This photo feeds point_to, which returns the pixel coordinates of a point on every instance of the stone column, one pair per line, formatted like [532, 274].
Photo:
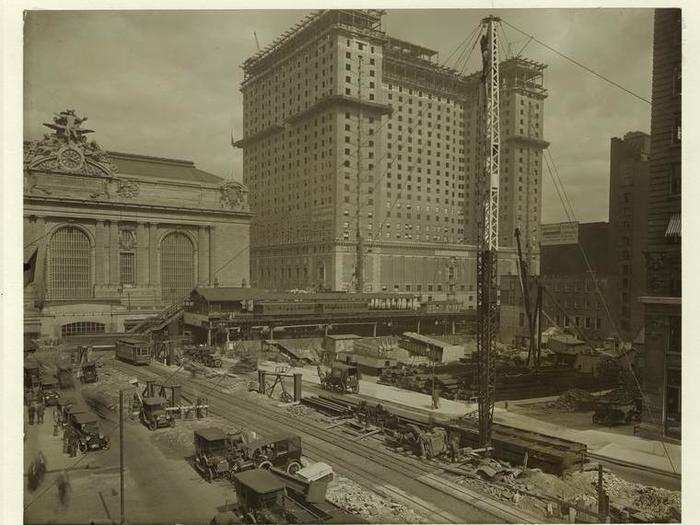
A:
[142, 255]
[203, 250]
[212, 256]
[101, 256]
[113, 253]
[154, 260]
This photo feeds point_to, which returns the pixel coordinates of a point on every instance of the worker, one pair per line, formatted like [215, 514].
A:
[436, 397]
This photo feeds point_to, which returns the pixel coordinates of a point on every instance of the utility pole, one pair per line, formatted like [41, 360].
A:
[360, 256]
[487, 257]
[525, 289]
[121, 457]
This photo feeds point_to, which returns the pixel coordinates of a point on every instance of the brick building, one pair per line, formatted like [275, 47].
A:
[661, 375]
[572, 299]
[114, 237]
[336, 105]
[629, 187]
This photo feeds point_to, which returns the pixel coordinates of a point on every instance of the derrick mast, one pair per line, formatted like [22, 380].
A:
[487, 256]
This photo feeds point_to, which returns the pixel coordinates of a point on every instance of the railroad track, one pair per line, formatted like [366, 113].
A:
[406, 480]
[676, 476]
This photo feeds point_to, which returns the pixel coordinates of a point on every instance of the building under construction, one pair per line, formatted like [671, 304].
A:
[351, 135]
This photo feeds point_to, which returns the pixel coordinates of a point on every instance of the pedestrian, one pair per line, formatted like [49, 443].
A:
[40, 411]
[30, 411]
[64, 489]
[436, 398]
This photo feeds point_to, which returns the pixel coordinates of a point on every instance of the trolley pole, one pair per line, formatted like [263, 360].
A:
[121, 457]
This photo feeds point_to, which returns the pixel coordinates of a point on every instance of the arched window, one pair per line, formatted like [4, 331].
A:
[82, 327]
[70, 255]
[177, 267]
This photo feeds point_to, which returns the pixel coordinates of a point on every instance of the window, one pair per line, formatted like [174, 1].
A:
[677, 80]
[127, 257]
[674, 334]
[69, 268]
[82, 327]
[674, 185]
[177, 267]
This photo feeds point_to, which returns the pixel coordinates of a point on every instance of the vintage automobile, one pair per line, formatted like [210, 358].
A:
[262, 497]
[283, 452]
[154, 415]
[32, 374]
[86, 430]
[617, 412]
[342, 378]
[211, 448]
[50, 389]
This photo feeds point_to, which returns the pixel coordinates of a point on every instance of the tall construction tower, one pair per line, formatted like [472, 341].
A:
[487, 257]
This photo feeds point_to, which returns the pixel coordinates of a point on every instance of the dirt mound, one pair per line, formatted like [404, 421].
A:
[575, 400]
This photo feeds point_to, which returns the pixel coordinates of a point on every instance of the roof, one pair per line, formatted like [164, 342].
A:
[210, 433]
[130, 340]
[260, 481]
[342, 337]
[427, 340]
[155, 400]
[232, 293]
[161, 168]
[296, 353]
[84, 417]
[343, 366]
[370, 361]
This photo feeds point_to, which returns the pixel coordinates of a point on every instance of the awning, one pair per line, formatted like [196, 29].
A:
[674, 226]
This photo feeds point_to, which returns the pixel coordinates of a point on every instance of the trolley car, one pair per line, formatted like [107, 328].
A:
[134, 351]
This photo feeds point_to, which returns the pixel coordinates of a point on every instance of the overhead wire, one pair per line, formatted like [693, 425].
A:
[579, 64]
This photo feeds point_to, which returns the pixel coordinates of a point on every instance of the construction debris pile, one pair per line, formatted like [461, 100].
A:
[354, 499]
[551, 495]
[575, 400]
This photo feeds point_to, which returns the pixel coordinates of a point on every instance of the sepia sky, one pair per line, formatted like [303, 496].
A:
[166, 83]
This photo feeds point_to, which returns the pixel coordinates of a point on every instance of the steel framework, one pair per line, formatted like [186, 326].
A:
[487, 257]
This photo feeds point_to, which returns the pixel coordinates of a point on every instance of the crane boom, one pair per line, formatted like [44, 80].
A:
[487, 257]
[525, 288]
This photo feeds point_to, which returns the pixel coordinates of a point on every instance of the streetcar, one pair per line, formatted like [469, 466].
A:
[134, 351]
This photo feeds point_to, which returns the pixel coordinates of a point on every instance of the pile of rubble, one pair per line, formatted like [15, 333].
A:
[371, 507]
[575, 400]
[549, 494]
[299, 410]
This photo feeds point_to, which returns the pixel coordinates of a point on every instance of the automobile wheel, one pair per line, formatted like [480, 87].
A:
[152, 425]
[82, 447]
[265, 465]
[293, 467]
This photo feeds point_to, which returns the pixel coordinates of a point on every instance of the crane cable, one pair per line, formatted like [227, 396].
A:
[579, 64]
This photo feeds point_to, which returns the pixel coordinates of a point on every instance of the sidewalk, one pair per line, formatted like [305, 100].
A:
[633, 449]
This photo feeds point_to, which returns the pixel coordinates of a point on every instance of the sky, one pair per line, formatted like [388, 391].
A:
[166, 84]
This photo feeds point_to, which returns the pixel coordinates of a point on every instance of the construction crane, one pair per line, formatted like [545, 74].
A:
[487, 256]
[533, 318]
